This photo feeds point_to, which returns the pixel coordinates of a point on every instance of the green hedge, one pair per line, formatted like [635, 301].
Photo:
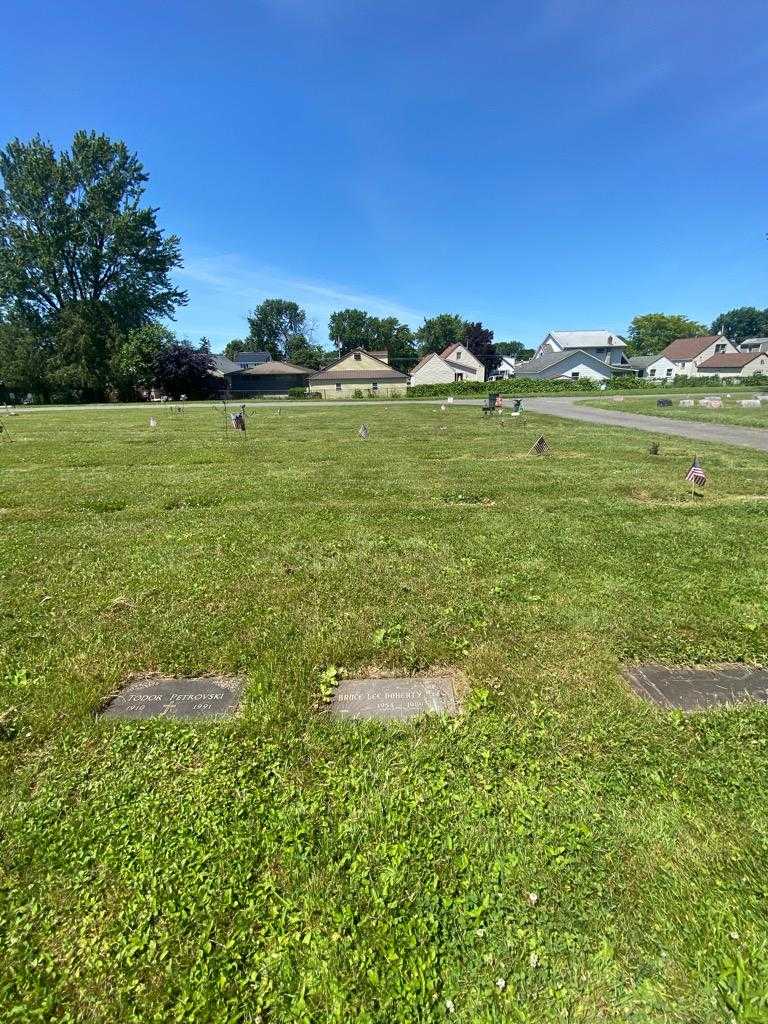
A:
[521, 386]
[531, 386]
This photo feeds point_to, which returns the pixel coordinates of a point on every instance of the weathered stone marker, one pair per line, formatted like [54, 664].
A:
[152, 697]
[394, 699]
[697, 689]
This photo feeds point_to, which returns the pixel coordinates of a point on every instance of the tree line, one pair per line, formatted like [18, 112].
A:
[86, 290]
[281, 327]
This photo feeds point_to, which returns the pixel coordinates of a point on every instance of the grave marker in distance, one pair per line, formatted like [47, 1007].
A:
[698, 689]
[153, 697]
[393, 699]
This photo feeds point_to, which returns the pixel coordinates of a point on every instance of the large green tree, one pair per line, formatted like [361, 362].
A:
[351, 328]
[273, 324]
[479, 341]
[438, 332]
[24, 362]
[741, 323]
[135, 362]
[82, 259]
[513, 348]
[73, 230]
[652, 332]
[354, 328]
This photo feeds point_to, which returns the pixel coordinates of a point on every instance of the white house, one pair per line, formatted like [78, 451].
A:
[754, 345]
[734, 364]
[505, 370]
[454, 363]
[604, 345]
[688, 353]
[656, 367]
[573, 364]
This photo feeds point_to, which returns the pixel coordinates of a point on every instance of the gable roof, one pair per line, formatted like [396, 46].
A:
[730, 360]
[275, 367]
[223, 365]
[450, 349]
[587, 339]
[534, 366]
[425, 359]
[641, 362]
[689, 348]
[332, 375]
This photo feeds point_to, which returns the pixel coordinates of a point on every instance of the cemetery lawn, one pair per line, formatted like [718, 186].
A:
[560, 852]
[731, 411]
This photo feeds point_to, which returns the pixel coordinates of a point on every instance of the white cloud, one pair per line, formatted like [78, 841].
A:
[223, 288]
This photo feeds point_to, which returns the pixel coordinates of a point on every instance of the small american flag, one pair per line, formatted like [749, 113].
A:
[540, 447]
[696, 476]
[363, 432]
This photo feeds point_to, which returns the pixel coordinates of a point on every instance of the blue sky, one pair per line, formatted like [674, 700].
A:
[559, 165]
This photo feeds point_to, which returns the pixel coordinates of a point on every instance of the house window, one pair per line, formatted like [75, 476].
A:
[719, 348]
[458, 376]
[575, 375]
[338, 387]
[652, 373]
[374, 385]
[669, 373]
[458, 353]
[357, 355]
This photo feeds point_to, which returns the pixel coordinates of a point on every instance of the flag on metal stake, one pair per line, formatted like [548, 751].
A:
[152, 421]
[540, 447]
[696, 476]
[363, 432]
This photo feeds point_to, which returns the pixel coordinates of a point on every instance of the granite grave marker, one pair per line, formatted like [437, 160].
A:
[153, 697]
[697, 689]
[393, 699]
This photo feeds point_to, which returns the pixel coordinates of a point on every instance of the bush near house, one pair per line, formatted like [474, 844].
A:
[529, 386]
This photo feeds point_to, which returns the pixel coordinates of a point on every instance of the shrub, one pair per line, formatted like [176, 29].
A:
[303, 393]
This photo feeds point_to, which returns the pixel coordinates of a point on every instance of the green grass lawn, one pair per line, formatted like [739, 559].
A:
[731, 411]
[283, 867]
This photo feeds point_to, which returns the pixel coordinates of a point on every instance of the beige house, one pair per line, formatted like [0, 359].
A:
[359, 373]
[734, 364]
[454, 363]
[687, 354]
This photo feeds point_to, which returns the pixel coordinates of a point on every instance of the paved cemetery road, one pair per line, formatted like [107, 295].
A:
[720, 433]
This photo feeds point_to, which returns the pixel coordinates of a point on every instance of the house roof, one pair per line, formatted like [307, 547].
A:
[331, 375]
[450, 349]
[730, 360]
[689, 348]
[254, 357]
[381, 354]
[641, 362]
[425, 359]
[274, 368]
[587, 339]
[534, 366]
[762, 343]
[223, 365]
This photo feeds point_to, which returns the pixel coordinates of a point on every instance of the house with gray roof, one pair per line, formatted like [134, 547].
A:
[655, 367]
[607, 346]
[272, 377]
[571, 364]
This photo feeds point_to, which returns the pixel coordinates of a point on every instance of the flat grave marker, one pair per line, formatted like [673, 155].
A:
[698, 689]
[390, 700]
[155, 697]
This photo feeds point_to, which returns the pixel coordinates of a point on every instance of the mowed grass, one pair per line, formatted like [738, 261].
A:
[283, 867]
[730, 412]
